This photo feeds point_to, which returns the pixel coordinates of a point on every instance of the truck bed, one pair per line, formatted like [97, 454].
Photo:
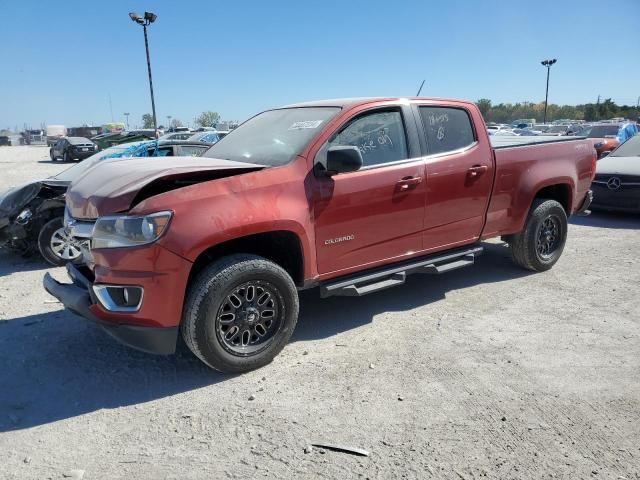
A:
[510, 141]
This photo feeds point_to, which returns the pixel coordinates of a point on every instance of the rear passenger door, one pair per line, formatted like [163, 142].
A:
[459, 170]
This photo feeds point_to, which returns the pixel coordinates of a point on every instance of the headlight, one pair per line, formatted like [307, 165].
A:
[24, 216]
[129, 231]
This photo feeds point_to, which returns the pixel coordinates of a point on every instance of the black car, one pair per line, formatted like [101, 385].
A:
[32, 215]
[5, 140]
[616, 185]
[72, 148]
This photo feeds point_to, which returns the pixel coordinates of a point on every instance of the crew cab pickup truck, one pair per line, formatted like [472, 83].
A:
[349, 196]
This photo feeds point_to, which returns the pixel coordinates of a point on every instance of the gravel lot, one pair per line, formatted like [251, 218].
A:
[485, 372]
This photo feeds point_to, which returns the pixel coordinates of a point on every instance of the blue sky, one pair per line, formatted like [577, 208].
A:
[62, 60]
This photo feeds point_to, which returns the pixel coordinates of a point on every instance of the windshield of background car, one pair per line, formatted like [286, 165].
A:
[274, 137]
[78, 140]
[70, 174]
[601, 131]
[630, 148]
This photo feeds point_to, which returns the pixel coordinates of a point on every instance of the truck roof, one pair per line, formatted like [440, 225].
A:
[353, 101]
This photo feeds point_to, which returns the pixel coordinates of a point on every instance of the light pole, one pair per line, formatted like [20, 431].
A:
[547, 63]
[126, 115]
[148, 19]
[168, 122]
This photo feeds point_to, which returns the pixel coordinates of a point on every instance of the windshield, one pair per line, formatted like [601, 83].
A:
[558, 129]
[600, 131]
[630, 148]
[70, 174]
[273, 137]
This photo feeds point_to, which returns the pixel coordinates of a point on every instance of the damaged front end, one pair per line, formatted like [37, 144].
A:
[23, 210]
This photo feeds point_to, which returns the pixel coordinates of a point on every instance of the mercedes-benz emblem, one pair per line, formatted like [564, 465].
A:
[614, 183]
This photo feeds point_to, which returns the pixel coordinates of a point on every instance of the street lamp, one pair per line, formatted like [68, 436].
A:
[547, 63]
[168, 122]
[126, 115]
[148, 19]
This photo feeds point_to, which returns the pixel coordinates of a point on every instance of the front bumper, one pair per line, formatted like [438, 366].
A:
[79, 298]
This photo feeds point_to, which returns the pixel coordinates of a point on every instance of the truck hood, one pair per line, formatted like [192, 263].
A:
[117, 185]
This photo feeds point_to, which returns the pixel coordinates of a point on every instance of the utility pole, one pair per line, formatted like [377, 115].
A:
[547, 63]
[126, 115]
[148, 19]
[598, 108]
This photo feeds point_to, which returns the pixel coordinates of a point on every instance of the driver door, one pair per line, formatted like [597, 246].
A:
[375, 214]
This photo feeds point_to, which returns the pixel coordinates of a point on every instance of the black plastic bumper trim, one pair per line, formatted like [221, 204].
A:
[76, 298]
[586, 203]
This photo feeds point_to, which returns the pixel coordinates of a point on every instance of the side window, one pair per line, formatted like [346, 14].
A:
[379, 136]
[446, 129]
[191, 150]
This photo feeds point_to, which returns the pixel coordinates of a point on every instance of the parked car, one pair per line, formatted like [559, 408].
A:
[617, 182]
[72, 148]
[31, 215]
[176, 136]
[207, 137]
[607, 136]
[326, 194]
[117, 138]
[5, 140]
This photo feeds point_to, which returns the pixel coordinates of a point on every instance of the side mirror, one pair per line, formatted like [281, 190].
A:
[343, 159]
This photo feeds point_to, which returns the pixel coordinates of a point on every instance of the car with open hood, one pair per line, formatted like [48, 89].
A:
[31, 215]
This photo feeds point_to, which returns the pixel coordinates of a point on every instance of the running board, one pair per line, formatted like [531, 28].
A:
[390, 276]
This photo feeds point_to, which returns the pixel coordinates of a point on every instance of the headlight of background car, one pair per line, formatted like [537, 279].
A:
[129, 231]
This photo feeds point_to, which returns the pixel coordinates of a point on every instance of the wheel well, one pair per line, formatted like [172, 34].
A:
[560, 193]
[281, 247]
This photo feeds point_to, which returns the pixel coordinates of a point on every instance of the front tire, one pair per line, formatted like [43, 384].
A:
[55, 245]
[66, 157]
[539, 246]
[53, 157]
[240, 313]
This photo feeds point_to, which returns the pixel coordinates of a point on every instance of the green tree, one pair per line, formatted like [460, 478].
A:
[484, 104]
[147, 120]
[176, 123]
[208, 119]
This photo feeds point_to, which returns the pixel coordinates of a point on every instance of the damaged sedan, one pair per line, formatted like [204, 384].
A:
[32, 214]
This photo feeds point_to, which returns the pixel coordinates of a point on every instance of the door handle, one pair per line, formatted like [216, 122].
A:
[477, 170]
[408, 182]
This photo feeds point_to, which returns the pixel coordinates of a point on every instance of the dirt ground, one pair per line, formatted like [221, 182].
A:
[485, 372]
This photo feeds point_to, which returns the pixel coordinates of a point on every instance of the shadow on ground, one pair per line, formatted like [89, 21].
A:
[603, 219]
[11, 263]
[56, 366]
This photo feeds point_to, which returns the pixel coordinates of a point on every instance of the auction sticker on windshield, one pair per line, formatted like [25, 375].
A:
[305, 124]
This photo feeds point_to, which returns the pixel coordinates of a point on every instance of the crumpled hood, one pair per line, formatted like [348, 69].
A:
[16, 198]
[111, 186]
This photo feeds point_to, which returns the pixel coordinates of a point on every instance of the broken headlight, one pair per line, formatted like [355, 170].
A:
[129, 231]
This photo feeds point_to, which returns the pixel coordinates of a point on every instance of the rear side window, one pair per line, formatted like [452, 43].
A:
[446, 129]
[379, 136]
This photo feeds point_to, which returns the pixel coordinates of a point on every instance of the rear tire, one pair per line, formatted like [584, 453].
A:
[539, 246]
[239, 313]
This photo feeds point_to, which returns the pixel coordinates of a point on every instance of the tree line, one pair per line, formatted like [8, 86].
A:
[205, 119]
[508, 112]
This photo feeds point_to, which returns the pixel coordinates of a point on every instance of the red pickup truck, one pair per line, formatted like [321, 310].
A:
[347, 195]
